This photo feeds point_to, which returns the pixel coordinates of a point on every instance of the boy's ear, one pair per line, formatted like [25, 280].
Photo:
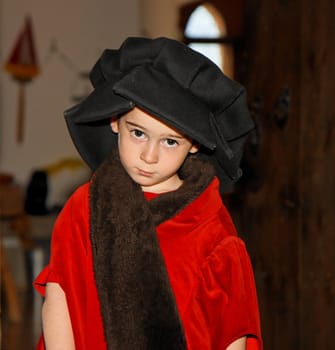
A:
[114, 125]
[195, 148]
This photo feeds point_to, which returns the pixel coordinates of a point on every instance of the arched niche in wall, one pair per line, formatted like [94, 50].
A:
[213, 27]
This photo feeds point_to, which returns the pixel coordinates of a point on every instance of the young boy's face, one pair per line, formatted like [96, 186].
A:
[150, 151]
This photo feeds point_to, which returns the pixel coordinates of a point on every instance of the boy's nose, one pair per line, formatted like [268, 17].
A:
[149, 154]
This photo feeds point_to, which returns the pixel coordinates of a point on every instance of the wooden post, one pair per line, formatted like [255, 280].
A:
[21, 113]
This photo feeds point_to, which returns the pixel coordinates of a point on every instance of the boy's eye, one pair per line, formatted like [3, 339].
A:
[171, 143]
[137, 133]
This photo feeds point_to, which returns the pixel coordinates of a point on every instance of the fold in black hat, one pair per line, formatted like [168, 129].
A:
[172, 82]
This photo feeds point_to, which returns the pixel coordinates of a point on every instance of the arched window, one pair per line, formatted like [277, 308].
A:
[205, 31]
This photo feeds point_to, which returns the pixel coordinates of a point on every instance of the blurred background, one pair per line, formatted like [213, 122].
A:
[282, 51]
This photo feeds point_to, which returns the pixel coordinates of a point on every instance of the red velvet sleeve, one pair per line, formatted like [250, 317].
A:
[230, 295]
[67, 260]
[71, 267]
[68, 244]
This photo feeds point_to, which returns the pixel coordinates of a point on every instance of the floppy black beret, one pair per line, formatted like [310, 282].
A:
[174, 83]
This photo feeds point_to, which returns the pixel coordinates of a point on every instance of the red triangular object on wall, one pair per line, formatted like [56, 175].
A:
[22, 63]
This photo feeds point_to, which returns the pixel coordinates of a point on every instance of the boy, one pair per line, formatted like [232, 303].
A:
[145, 256]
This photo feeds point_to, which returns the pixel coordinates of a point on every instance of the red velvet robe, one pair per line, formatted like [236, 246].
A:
[208, 267]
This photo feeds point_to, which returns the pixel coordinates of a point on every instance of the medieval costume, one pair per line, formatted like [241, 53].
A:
[147, 271]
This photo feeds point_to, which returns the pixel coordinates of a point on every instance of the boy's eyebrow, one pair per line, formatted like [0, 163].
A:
[135, 125]
[143, 128]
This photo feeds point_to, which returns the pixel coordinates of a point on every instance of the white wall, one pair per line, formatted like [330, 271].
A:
[81, 29]
[160, 17]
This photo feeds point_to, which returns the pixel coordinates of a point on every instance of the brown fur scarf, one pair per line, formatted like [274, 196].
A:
[137, 303]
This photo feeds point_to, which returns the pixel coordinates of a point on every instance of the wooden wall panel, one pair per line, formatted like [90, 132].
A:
[318, 175]
[271, 214]
[285, 204]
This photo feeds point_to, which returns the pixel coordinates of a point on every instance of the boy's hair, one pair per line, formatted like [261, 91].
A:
[179, 86]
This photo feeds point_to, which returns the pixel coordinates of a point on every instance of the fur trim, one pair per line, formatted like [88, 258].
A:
[137, 302]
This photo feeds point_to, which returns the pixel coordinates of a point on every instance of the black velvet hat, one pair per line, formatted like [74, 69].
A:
[174, 83]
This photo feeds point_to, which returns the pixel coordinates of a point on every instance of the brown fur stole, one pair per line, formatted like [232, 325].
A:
[137, 303]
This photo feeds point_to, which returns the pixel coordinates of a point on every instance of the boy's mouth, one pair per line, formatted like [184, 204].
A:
[144, 173]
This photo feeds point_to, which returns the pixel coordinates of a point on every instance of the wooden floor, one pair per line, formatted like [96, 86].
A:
[22, 335]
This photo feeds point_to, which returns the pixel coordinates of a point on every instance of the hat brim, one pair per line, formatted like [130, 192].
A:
[89, 122]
